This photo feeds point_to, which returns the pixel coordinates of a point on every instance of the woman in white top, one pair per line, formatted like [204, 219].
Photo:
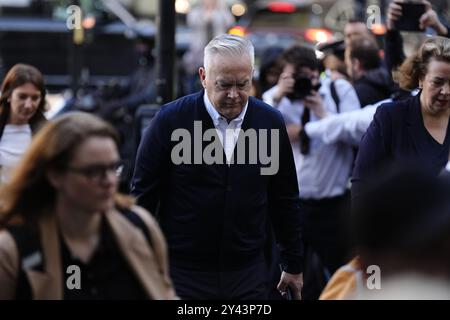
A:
[22, 106]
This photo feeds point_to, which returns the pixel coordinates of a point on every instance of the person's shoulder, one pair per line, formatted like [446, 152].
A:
[393, 116]
[341, 83]
[364, 87]
[265, 110]
[182, 103]
[269, 93]
[394, 109]
[145, 216]
[179, 109]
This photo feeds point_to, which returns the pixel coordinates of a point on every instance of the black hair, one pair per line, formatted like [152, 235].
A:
[300, 56]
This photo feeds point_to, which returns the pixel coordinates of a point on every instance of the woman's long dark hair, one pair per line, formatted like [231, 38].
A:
[17, 76]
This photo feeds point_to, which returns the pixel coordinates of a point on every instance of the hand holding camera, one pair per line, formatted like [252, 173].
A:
[430, 19]
[394, 12]
[405, 15]
[314, 103]
[302, 88]
[285, 86]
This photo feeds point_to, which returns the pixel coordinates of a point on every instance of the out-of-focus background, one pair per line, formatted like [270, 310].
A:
[119, 36]
[109, 64]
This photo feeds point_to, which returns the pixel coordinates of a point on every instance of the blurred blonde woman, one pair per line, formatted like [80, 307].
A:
[65, 232]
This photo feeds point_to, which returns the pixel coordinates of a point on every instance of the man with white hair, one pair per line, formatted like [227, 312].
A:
[216, 214]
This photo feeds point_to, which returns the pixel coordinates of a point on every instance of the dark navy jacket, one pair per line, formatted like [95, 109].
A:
[397, 136]
[214, 216]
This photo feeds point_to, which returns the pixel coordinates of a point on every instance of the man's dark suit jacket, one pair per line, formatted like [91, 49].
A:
[397, 136]
[214, 216]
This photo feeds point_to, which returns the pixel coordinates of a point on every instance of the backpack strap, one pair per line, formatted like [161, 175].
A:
[335, 96]
[134, 218]
[30, 257]
[29, 246]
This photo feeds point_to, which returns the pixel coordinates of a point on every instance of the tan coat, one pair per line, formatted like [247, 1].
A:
[345, 282]
[150, 264]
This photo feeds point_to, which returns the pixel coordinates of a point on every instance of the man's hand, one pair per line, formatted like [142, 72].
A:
[430, 19]
[294, 282]
[314, 103]
[394, 12]
[285, 85]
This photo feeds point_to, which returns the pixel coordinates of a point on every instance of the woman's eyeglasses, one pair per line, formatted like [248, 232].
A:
[98, 171]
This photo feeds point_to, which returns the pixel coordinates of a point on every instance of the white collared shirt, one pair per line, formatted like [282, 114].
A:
[228, 132]
[447, 167]
[324, 172]
[347, 127]
[13, 144]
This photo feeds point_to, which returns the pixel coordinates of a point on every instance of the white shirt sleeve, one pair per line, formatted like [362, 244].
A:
[348, 99]
[268, 98]
[346, 127]
[291, 111]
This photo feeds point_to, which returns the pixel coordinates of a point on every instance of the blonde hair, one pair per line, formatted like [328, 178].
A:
[415, 67]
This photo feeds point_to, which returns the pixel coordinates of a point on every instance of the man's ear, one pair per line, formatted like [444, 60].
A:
[202, 74]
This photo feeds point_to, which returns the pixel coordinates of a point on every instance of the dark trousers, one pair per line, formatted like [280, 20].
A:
[273, 259]
[246, 284]
[326, 240]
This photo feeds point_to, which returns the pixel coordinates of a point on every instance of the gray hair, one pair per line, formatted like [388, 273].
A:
[228, 45]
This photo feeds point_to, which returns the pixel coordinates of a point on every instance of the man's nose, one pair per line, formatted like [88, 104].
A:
[233, 93]
[446, 88]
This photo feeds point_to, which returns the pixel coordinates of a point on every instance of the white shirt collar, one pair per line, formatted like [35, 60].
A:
[216, 116]
[447, 167]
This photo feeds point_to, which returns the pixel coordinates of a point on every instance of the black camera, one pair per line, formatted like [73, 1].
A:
[411, 13]
[302, 88]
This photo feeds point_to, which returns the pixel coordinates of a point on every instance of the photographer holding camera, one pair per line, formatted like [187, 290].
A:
[415, 16]
[323, 170]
